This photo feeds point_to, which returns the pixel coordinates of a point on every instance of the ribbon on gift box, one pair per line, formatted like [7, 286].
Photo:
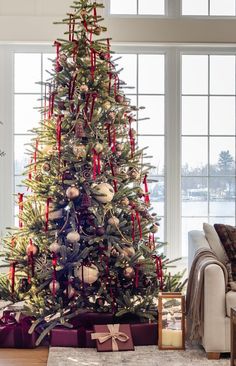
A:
[113, 333]
[14, 322]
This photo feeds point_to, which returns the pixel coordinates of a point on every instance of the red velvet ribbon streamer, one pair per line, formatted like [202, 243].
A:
[35, 155]
[93, 62]
[133, 225]
[96, 164]
[13, 271]
[159, 271]
[59, 121]
[52, 103]
[113, 174]
[21, 207]
[113, 149]
[131, 139]
[71, 27]
[109, 134]
[95, 13]
[75, 49]
[109, 85]
[139, 224]
[146, 197]
[47, 213]
[58, 46]
[94, 97]
[85, 24]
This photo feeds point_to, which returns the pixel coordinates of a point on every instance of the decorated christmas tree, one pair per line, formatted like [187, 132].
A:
[86, 236]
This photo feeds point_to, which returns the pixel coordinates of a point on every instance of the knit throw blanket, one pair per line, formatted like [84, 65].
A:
[195, 291]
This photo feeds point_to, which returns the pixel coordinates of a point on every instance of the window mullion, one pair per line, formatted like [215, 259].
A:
[173, 8]
[173, 154]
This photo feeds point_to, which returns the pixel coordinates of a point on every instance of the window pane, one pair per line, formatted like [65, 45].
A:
[194, 115]
[222, 220]
[155, 153]
[25, 112]
[21, 158]
[188, 224]
[222, 155]
[194, 74]
[157, 195]
[222, 196]
[151, 74]
[155, 110]
[222, 74]
[151, 7]
[194, 196]
[128, 63]
[47, 65]
[194, 156]
[195, 7]
[123, 6]
[222, 115]
[222, 7]
[27, 72]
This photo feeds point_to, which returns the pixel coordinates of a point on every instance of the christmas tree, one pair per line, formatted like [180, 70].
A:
[86, 230]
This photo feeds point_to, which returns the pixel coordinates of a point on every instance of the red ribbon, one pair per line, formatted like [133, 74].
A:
[96, 164]
[71, 27]
[159, 271]
[21, 207]
[58, 46]
[139, 224]
[95, 14]
[146, 197]
[54, 277]
[13, 271]
[59, 121]
[52, 103]
[85, 24]
[110, 77]
[133, 226]
[113, 174]
[47, 213]
[113, 149]
[131, 138]
[93, 62]
[109, 134]
[75, 49]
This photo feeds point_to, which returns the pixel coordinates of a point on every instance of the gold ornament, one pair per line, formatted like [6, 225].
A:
[98, 148]
[97, 31]
[154, 229]
[119, 147]
[32, 248]
[129, 273]
[128, 251]
[79, 151]
[72, 193]
[46, 149]
[134, 174]
[55, 247]
[106, 105]
[124, 201]
[114, 221]
[73, 237]
[88, 274]
[84, 88]
[103, 192]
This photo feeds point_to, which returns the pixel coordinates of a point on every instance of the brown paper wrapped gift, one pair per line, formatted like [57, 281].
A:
[113, 337]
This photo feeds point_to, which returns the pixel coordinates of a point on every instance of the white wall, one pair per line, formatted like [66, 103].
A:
[32, 21]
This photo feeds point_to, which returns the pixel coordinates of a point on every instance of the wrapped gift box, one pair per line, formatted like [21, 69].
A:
[144, 334]
[89, 319]
[113, 337]
[66, 337]
[14, 331]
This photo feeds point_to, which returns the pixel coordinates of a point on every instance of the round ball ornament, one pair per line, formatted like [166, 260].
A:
[128, 251]
[119, 147]
[154, 229]
[46, 167]
[73, 237]
[119, 98]
[88, 274]
[106, 105]
[32, 248]
[103, 192]
[54, 286]
[72, 193]
[97, 31]
[114, 221]
[55, 247]
[79, 151]
[134, 174]
[129, 273]
[100, 231]
[98, 148]
[124, 201]
[84, 88]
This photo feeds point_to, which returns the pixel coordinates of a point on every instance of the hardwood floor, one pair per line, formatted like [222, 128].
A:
[24, 357]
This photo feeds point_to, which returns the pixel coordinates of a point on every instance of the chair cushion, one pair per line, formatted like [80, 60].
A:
[214, 242]
[227, 235]
[230, 301]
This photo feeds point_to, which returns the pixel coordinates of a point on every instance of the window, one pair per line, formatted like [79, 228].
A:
[208, 7]
[208, 141]
[137, 7]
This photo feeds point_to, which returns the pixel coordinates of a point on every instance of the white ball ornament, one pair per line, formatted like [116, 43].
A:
[98, 148]
[103, 192]
[54, 286]
[72, 193]
[73, 237]
[88, 274]
[55, 247]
